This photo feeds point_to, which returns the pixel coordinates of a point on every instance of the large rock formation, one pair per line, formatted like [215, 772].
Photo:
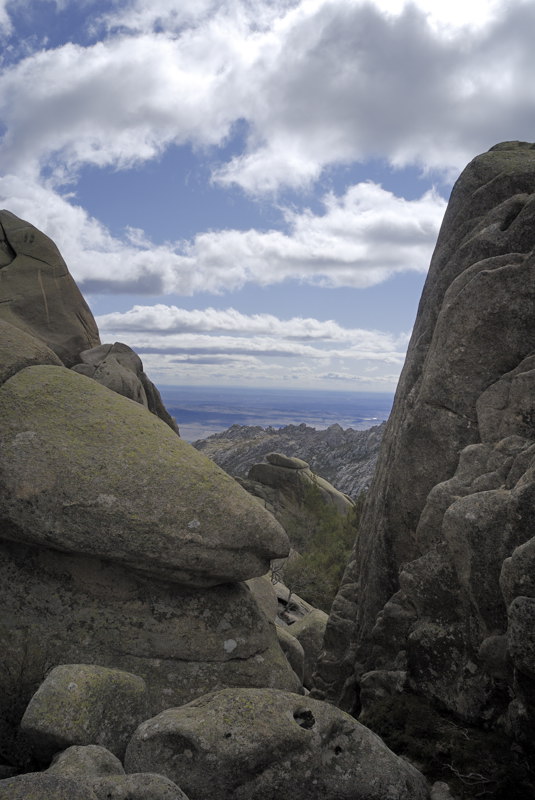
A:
[438, 597]
[345, 458]
[120, 544]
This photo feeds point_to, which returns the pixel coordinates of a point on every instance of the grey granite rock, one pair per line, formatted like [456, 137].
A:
[37, 291]
[257, 744]
[84, 704]
[85, 470]
[421, 593]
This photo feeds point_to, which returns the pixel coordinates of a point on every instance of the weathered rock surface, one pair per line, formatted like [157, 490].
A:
[81, 704]
[40, 786]
[262, 744]
[345, 458]
[288, 488]
[19, 350]
[103, 773]
[451, 507]
[121, 370]
[58, 608]
[85, 470]
[37, 292]
[309, 632]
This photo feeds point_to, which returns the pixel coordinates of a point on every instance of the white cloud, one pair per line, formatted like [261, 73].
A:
[166, 322]
[318, 82]
[360, 240]
[254, 347]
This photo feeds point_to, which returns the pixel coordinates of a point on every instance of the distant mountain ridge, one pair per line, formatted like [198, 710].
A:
[346, 458]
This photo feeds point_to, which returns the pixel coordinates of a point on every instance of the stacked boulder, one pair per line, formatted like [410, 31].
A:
[438, 598]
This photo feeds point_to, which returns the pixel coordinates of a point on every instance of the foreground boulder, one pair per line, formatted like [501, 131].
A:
[82, 704]
[38, 294]
[104, 775]
[421, 608]
[84, 470]
[262, 744]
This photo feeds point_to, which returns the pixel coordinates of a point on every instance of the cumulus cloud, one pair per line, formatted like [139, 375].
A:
[318, 82]
[256, 347]
[362, 238]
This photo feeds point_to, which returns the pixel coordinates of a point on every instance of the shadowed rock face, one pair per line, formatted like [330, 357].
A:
[454, 490]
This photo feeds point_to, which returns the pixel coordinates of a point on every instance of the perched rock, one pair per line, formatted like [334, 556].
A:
[345, 458]
[38, 294]
[258, 744]
[56, 608]
[85, 470]
[121, 370]
[82, 704]
[309, 632]
[19, 350]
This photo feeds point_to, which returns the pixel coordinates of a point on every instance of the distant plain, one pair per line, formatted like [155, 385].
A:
[201, 411]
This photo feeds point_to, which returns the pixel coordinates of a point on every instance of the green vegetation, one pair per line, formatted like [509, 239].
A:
[325, 549]
[475, 763]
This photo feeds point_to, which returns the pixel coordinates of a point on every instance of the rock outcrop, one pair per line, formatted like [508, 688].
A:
[345, 458]
[438, 597]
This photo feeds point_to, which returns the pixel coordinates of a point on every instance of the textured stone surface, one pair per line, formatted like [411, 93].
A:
[19, 350]
[309, 632]
[258, 744]
[37, 292]
[293, 650]
[103, 773]
[86, 470]
[89, 760]
[40, 786]
[121, 370]
[450, 513]
[82, 704]
[57, 608]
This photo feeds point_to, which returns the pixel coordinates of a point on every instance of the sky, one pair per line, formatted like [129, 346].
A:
[248, 192]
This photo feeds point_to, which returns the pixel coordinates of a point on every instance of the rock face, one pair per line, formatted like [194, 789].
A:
[345, 458]
[257, 744]
[438, 598]
[37, 292]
